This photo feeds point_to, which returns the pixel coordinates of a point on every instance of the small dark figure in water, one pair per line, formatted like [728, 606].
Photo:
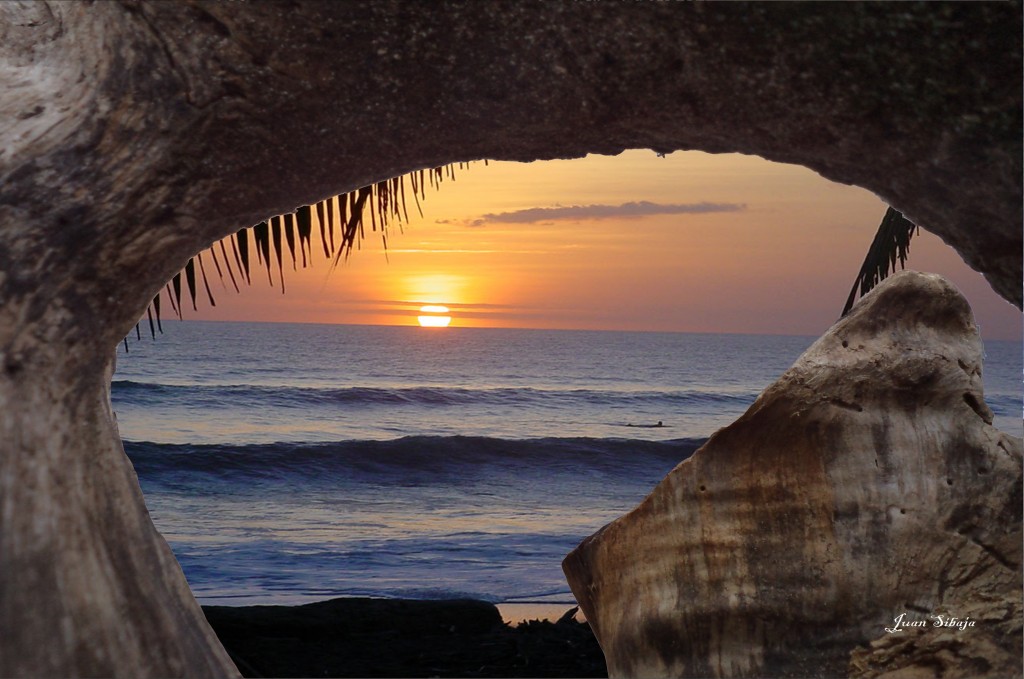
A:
[659, 424]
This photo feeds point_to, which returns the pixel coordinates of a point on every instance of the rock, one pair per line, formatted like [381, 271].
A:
[355, 637]
[866, 483]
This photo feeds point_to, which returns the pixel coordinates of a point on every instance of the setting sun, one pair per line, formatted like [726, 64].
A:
[434, 316]
[630, 242]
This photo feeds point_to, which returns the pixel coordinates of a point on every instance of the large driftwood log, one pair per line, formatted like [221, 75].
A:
[133, 134]
[866, 483]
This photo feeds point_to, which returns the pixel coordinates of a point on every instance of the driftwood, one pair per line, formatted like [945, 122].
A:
[136, 133]
[865, 484]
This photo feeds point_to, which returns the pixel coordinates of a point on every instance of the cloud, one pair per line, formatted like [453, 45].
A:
[633, 210]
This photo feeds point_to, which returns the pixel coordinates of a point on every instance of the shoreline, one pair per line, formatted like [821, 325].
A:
[515, 613]
[512, 612]
[363, 637]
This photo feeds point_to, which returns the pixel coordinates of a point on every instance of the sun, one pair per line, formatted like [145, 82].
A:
[434, 316]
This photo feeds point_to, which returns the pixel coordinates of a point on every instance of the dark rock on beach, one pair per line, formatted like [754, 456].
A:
[401, 638]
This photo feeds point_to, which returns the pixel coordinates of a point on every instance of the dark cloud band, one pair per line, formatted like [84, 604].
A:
[637, 209]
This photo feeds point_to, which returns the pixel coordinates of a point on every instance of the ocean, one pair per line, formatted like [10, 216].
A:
[289, 463]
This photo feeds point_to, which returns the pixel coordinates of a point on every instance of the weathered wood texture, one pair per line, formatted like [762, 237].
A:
[133, 134]
[865, 483]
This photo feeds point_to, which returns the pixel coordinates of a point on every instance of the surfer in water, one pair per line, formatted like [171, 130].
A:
[649, 426]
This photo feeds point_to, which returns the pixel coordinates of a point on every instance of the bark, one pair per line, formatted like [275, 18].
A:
[89, 587]
[134, 134]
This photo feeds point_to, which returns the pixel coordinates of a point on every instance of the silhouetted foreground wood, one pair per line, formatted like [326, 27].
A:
[401, 638]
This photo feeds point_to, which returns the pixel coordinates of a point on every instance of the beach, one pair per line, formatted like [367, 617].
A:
[363, 637]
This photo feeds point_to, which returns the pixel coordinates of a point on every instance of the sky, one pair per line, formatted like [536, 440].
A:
[689, 242]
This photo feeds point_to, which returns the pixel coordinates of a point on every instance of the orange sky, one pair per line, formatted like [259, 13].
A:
[691, 242]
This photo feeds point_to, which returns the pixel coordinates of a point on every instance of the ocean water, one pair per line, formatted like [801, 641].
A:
[290, 463]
